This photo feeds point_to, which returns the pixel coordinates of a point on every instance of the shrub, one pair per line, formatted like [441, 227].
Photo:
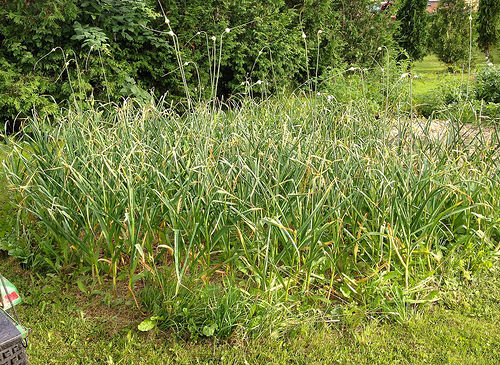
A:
[240, 42]
[491, 112]
[71, 50]
[28, 32]
[363, 31]
[488, 25]
[439, 98]
[110, 49]
[378, 91]
[487, 84]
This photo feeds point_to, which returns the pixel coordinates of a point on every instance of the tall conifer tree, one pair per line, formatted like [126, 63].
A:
[411, 34]
[488, 25]
[450, 31]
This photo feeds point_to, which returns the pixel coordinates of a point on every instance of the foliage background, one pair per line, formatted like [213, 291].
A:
[53, 51]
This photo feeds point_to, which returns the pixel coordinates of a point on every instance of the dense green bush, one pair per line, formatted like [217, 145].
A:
[490, 112]
[440, 97]
[68, 50]
[482, 102]
[27, 33]
[54, 51]
[376, 91]
[488, 25]
[487, 84]
[363, 31]
[241, 42]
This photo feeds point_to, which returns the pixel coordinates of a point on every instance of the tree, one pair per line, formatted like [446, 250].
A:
[411, 32]
[488, 28]
[450, 31]
[363, 30]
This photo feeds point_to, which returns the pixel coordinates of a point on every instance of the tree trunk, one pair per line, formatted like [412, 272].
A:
[487, 54]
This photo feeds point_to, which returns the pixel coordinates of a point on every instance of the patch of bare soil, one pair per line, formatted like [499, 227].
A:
[114, 308]
[120, 312]
[443, 130]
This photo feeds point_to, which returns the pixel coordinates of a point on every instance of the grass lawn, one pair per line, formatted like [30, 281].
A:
[495, 54]
[72, 327]
[432, 72]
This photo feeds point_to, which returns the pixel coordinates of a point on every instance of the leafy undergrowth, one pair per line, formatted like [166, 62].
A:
[69, 326]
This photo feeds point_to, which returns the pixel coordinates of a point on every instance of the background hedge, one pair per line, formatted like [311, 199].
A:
[53, 51]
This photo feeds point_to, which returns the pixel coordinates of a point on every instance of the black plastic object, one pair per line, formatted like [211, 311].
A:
[12, 351]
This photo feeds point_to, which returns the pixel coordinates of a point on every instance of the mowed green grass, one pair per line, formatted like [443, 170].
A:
[431, 72]
[70, 327]
[495, 54]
